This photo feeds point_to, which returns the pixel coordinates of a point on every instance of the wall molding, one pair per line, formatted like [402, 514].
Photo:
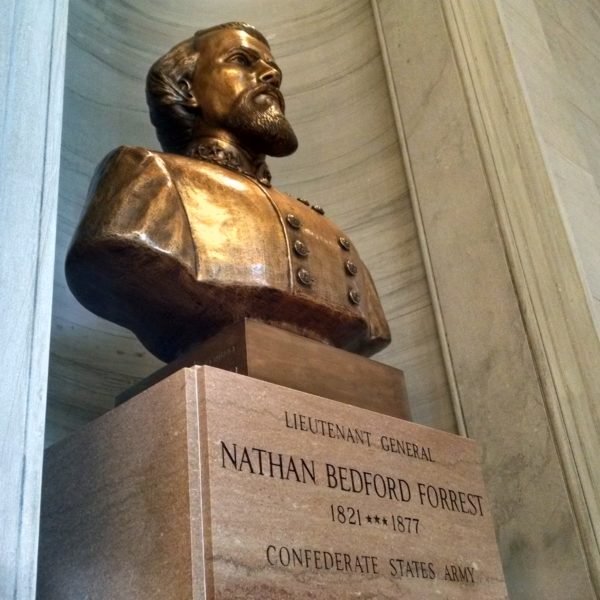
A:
[514, 321]
[555, 302]
[461, 426]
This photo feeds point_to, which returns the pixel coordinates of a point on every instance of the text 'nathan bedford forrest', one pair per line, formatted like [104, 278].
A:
[265, 463]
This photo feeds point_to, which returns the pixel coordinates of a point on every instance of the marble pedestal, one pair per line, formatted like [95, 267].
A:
[213, 485]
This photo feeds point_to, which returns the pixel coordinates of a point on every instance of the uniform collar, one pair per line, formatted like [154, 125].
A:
[227, 155]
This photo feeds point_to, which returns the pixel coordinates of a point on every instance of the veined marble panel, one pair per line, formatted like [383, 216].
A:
[349, 162]
[570, 54]
[499, 256]
[556, 44]
[32, 53]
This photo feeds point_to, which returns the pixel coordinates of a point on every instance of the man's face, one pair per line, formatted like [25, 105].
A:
[236, 87]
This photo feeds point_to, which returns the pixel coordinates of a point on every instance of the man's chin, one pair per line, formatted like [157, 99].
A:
[281, 145]
[264, 132]
[273, 138]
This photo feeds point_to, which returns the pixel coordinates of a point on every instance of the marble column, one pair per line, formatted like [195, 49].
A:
[32, 43]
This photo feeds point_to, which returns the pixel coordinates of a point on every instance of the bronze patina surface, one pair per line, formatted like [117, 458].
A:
[176, 245]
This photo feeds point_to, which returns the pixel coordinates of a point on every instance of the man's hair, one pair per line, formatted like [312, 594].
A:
[166, 99]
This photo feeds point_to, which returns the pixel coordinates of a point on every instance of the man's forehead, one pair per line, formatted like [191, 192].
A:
[221, 41]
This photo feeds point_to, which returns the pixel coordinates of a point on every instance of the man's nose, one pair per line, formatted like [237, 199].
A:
[270, 75]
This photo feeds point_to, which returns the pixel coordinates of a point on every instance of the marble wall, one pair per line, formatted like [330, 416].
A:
[524, 381]
[349, 162]
[516, 322]
[32, 57]
[556, 45]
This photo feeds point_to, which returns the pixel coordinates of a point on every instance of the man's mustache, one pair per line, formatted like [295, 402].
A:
[269, 90]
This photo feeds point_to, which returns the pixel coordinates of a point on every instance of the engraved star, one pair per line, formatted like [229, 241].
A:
[384, 521]
[369, 518]
[377, 519]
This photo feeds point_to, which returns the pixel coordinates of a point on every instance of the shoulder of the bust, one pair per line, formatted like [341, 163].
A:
[128, 162]
[133, 154]
[143, 157]
[203, 172]
[125, 166]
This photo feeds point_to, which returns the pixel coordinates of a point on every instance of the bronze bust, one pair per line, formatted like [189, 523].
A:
[175, 245]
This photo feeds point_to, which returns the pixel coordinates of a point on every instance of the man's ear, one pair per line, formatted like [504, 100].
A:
[185, 88]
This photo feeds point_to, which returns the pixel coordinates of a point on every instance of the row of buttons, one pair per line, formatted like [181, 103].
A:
[302, 250]
[313, 206]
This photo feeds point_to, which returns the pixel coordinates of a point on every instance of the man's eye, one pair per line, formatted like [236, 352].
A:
[240, 59]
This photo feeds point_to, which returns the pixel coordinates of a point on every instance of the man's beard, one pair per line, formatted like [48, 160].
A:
[261, 127]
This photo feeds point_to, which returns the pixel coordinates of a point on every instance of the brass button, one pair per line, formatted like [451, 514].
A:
[351, 268]
[294, 221]
[354, 296]
[301, 248]
[303, 201]
[344, 243]
[304, 277]
[318, 209]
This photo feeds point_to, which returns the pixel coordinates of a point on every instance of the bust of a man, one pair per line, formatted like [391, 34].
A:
[175, 245]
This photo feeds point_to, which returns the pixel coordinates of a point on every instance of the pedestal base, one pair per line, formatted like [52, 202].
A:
[216, 486]
[278, 356]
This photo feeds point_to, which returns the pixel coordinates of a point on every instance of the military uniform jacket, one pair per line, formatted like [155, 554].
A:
[175, 248]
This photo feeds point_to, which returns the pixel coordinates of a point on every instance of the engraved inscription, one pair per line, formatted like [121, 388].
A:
[405, 524]
[348, 479]
[310, 558]
[257, 461]
[346, 515]
[449, 499]
[361, 502]
[405, 567]
[356, 435]
[459, 574]
[336, 431]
